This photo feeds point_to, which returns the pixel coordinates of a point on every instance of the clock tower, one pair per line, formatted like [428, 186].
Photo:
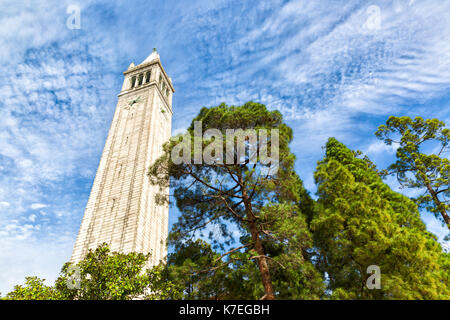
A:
[121, 209]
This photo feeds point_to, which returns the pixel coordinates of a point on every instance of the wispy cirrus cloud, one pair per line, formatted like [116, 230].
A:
[319, 64]
[53, 113]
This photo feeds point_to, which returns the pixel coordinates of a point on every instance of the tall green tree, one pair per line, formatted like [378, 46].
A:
[416, 169]
[361, 222]
[217, 198]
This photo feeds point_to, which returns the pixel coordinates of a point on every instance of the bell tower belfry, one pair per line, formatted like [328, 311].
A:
[121, 209]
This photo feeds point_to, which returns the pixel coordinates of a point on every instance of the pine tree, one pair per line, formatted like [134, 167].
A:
[267, 207]
[361, 222]
[416, 169]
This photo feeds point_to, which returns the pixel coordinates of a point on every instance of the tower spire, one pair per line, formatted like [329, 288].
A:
[154, 55]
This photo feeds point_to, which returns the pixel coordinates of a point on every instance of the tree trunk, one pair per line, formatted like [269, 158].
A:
[262, 260]
[438, 203]
[262, 264]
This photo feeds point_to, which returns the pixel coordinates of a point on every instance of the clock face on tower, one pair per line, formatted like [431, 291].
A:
[132, 102]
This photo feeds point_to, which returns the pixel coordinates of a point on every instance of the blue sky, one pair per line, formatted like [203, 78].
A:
[331, 67]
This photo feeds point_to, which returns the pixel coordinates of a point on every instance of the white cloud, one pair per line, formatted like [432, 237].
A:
[179, 131]
[379, 146]
[21, 257]
[36, 206]
[434, 225]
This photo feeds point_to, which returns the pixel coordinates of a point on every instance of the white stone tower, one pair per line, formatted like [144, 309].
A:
[121, 209]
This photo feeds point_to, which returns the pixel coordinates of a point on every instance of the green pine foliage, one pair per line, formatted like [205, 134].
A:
[361, 222]
[416, 169]
[270, 211]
